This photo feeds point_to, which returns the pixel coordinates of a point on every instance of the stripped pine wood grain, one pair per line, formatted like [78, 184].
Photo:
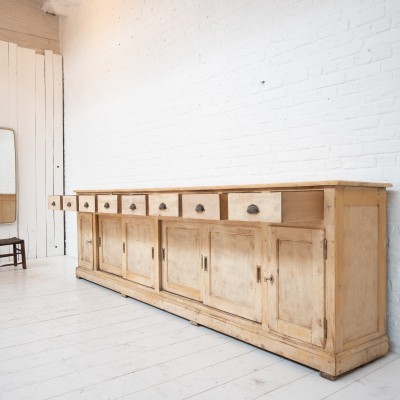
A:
[236, 276]
[24, 23]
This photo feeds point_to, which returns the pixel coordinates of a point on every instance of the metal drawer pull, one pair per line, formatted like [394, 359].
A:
[205, 264]
[271, 278]
[88, 241]
[106, 205]
[132, 206]
[258, 273]
[162, 206]
[86, 205]
[69, 204]
[200, 208]
[253, 209]
[53, 203]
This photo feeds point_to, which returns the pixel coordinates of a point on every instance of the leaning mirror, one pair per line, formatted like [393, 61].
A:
[8, 187]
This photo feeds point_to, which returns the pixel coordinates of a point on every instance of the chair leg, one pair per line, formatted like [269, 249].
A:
[23, 254]
[15, 254]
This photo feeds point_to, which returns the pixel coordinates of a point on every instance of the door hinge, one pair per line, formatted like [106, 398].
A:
[325, 249]
[123, 247]
[325, 328]
[99, 241]
[258, 273]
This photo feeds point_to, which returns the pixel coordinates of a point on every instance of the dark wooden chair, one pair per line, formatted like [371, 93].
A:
[18, 246]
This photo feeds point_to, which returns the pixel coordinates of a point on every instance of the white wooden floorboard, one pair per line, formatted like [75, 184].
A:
[202, 381]
[312, 387]
[380, 384]
[65, 338]
[255, 384]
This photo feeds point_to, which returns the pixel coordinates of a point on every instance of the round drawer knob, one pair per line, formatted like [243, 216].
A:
[69, 204]
[253, 209]
[162, 206]
[86, 205]
[133, 206]
[106, 205]
[53, 203]
[200, 208]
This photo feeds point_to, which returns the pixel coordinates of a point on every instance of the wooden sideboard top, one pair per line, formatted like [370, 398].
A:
[239, 188]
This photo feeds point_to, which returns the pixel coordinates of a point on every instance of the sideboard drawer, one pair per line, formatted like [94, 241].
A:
[87, 204]
[262, 207]
[107, 203]
[54, 203]
[164, 205]
[134, 204]
[70, 203]
[204, 206]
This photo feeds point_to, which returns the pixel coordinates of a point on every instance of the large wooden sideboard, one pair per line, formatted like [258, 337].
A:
[298, 269]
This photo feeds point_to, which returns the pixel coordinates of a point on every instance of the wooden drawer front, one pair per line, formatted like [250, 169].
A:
[107, 203]
[262, 207]
[170, 201]
[87, 203]
[302, 206]
[70, 203]
[54, 203]
[134, 204]
[204, 206]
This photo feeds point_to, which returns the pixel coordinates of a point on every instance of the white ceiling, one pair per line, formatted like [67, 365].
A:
[60, 8]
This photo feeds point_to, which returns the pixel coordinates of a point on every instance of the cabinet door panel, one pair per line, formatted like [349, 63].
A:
[232, 281]
[181, 259]
[85, 240]
[110, 249]
[296, 296]
[139, 261]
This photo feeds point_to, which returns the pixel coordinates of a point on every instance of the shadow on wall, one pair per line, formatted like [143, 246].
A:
[393, 266]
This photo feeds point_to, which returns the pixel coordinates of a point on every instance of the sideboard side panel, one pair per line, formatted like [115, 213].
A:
[362, 268]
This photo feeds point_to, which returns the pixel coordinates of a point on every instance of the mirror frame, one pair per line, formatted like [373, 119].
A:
[16, 175]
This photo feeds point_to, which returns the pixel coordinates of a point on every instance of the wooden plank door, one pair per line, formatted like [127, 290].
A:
[138, 262]
[181, 258]
[85, 240]
[232, 269]
[296, 283]
[110, 246]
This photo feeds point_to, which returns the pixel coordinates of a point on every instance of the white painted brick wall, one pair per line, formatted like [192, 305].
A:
[201, 92]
